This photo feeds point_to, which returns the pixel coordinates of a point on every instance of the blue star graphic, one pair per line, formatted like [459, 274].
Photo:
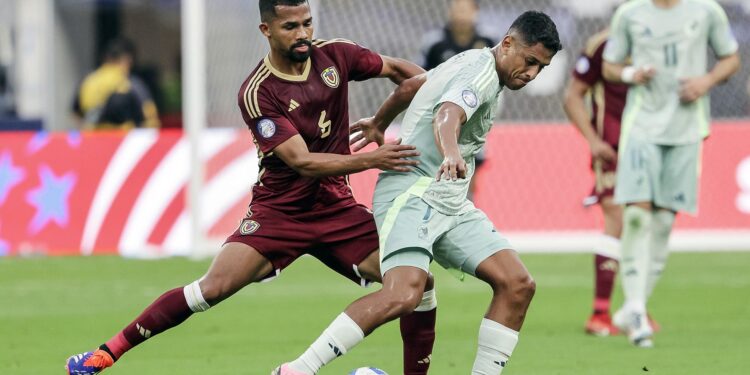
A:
[37, 142]
[10, 176]
[50, 199]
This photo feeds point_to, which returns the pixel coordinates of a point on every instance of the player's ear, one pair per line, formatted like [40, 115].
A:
[265, 29]
[507, 43]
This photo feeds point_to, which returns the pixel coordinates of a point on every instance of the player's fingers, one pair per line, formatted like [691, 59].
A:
[357, 137]
[396, 141]
[408, 153]
[453, 171]
[400, 148]
[407, 162]
[355, 127]
[440, 173]
[401, 169]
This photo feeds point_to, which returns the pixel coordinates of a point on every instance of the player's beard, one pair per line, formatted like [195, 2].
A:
[300, 57]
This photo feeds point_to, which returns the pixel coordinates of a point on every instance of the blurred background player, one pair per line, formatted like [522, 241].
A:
[111, 97]
[424, 214]
[295, 103]
[601, 128]
[461, 33]
[665, 121]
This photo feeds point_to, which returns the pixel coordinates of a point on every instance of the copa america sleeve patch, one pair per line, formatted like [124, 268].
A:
[470, 98]
[583, 65]
[266, 128]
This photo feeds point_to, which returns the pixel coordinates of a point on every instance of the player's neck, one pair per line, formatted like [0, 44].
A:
[285, 65]
[497, 54]
[666, 4]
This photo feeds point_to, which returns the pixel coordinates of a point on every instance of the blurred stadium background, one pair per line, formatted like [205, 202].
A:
[137, 194]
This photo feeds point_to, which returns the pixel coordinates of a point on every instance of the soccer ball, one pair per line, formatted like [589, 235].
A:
[368, 371]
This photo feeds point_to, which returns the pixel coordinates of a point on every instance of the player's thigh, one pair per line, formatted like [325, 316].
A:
[469, 242]
[504, 269]
[236, 266]
[408, 228]
[638, 172]
[278, 237]
[680, 178]
[347, 242]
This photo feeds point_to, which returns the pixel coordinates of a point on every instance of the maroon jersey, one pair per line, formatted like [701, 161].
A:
[277, 106]
[607, 98]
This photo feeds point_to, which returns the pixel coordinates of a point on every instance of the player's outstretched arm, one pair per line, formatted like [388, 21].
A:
[575, 108]
[446, 127]
[692, 89]
[372, 129]
[399, 70]
[391, 156]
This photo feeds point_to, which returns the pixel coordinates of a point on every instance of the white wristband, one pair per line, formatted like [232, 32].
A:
[628, 74]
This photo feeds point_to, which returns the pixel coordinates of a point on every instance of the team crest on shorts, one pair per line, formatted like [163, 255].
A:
[248, 227]
[330, 77]
[266, 128]
[470, 98]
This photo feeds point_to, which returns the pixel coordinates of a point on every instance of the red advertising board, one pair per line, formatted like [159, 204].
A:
[112, 192]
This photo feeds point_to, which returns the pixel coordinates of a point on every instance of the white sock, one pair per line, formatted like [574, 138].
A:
[662, 221]
[496, 343]
[634, 267]
[194, 297]
[340, 337]
[608, 246]
[429, 301]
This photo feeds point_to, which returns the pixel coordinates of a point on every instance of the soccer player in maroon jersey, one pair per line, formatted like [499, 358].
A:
[295, 104]
[601, 129]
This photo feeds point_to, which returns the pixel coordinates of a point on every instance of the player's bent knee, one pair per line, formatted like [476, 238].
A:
[214, 290]
[404, 303]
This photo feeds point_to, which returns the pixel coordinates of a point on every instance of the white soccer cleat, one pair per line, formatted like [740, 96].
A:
[635, 325]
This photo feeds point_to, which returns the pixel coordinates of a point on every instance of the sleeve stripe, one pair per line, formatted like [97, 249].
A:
[255, 92]
[249, 86]
[337, 40]
[484, 78]
[254, 111]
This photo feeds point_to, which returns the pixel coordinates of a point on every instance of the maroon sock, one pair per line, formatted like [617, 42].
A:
[418, 335]
[166, 312]
[605, 273]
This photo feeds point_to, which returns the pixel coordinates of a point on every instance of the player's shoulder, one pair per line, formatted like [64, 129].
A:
[254, 91]
[595, 42]
[629, 8]
[332, 44]
[710, 5]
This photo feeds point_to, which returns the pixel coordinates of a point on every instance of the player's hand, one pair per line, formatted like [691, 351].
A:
[452, 168]
[643, 75]
[602, 151]
[364, 132]
[692, 89]
[393, 156]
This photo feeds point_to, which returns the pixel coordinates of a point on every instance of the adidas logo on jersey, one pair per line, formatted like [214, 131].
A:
[293, 105]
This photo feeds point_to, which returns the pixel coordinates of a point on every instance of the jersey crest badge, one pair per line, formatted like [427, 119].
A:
[266, 128]
[248, 227]
[470, 98]
[330, 77]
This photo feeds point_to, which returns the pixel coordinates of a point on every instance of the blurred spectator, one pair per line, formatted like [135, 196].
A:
[111, 97]
[460, 34]
[7, 105]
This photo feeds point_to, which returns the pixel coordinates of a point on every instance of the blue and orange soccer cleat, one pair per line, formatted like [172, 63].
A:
[88, 363]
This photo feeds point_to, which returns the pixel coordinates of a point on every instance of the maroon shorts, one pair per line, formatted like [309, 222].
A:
[341, 235]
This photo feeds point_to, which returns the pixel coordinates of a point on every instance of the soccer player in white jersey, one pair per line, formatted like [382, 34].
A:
[665, 121]
[424, 215]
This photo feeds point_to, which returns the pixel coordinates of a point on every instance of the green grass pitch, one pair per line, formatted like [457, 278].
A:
[54, 307]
